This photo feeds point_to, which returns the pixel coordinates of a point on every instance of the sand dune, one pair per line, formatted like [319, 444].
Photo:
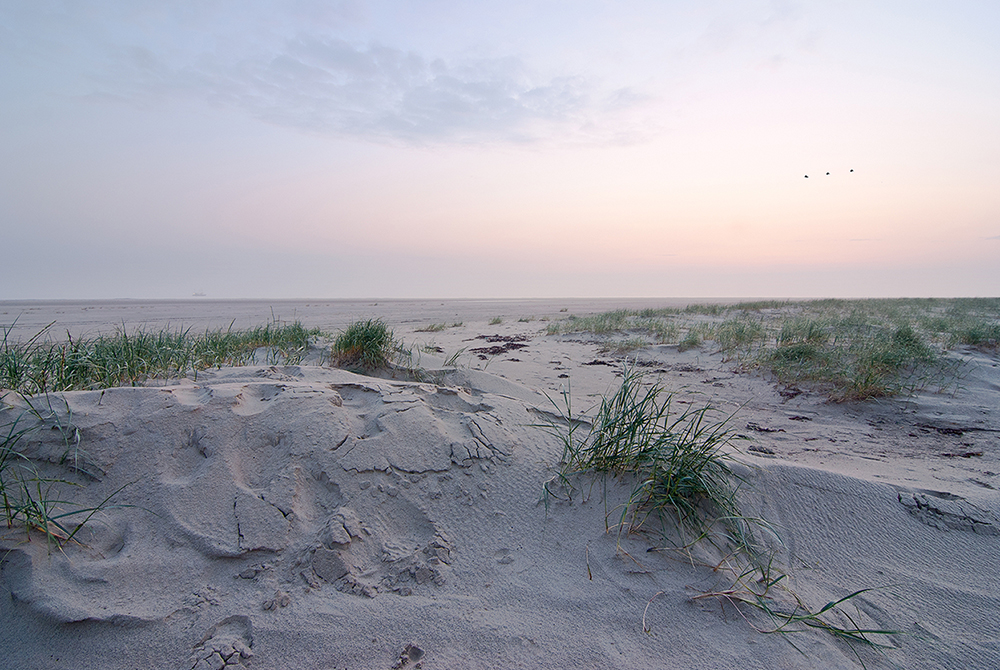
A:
[308, 517]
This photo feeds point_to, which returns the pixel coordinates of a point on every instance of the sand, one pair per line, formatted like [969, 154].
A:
[308, 517]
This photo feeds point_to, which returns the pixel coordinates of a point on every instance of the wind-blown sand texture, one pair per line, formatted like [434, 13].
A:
[308, 517]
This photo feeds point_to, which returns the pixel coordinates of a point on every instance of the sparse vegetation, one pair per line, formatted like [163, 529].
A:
[432, 328]
[33, 372]
[128, 358]
[981, 334]
[496, 321]
[622, 347]
[681, 479]
[852, 349]
[738, 336]
[690, 341]
[677, 458]
[452, 361]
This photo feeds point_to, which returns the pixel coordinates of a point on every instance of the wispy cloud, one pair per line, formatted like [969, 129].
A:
[333, 87]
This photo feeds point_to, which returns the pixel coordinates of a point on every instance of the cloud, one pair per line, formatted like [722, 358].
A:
[330, 86]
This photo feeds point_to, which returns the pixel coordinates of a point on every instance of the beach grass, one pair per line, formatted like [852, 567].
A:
[621, 347]
[764, 588]
[33, 373]
[368, 345]
[28, 498]
[681, 478]
[850, 349]
[676, 458]
[125, 358]
[676, 455]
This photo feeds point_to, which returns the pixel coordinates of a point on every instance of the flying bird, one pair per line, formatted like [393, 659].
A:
[827, 174]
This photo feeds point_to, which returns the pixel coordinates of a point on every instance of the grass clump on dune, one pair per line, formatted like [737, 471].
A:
[678, 457]
[981, 334]
[692, 340]
[130, 358]
[737, 336]
[681, 477]
[369, 345]
[30, 499]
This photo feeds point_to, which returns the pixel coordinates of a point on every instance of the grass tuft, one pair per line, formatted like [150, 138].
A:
[737, 336]
[369, 345]
[682, 478]
[691, 341]
[981, 334]
[676, 458]
[622, 347]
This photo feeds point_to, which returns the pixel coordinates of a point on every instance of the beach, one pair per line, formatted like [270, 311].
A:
[299, 515]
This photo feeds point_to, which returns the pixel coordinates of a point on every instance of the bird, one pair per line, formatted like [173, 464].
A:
[827, 174]
[807, 176]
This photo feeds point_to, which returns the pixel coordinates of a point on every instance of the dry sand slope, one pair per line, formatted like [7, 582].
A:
[307, 517]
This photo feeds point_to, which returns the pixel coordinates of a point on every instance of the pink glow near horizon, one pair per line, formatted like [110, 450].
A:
[441, 150]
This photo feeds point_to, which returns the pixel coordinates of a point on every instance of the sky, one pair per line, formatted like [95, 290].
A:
[516, 149]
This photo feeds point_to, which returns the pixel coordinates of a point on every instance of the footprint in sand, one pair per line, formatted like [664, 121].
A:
[227, 644]
[411, 654]
[189, 456]
[255, 398]
[192, 396]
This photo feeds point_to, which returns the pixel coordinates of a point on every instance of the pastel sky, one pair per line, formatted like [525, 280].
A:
[544, 148]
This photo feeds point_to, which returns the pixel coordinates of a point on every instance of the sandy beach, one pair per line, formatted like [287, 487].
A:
[305, 516]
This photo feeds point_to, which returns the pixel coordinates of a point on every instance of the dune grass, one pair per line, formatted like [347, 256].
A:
[622, 347]
[368, 345]
[131, 357]
[851, 349]
[692, 340]
[28, 498]
[677, 458]
[34, 372]
[681, 478]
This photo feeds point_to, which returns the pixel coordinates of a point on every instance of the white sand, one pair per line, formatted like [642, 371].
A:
[320, 519]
